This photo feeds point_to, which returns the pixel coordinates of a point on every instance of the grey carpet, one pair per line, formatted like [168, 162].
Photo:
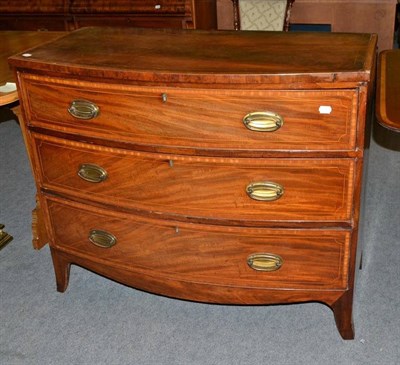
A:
[98, 321]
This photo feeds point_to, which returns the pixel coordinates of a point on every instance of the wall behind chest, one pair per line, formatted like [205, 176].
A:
[359, 16]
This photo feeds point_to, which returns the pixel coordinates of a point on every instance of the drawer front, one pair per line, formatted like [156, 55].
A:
[130, 21]
[29, 6]
[246, 120]
[242, 190]
[129, 6]
[203, 254]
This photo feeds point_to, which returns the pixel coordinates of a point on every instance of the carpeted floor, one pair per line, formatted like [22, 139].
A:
[98, 321]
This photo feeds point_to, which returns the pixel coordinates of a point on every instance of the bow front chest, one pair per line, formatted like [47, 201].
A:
[223, 167]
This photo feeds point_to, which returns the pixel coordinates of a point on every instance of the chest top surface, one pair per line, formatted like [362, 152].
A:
[193, 56]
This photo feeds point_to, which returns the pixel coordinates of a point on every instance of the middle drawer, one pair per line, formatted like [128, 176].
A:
[199, 188]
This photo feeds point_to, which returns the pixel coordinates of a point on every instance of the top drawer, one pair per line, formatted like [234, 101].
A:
[203, 119]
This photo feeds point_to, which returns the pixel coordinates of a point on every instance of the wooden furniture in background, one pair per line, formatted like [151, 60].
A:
[365, 16]
[73, 14]
[388, 90]
[13, 42]
[387, 128]
[225, 174]
[273, 15]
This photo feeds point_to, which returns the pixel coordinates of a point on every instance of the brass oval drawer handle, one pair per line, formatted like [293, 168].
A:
[102, 239]
[92, 173]
[265, 262]
[264, 191]
[263, 121]
[83, 109]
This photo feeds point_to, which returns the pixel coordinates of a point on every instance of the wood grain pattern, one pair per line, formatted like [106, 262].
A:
[205, 119]
[201, 188]
[311, 258]
[175, 56]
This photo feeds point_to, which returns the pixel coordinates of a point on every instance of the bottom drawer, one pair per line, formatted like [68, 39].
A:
[213, 255]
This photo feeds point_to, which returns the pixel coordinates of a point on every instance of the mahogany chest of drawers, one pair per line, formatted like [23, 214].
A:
[223, 167]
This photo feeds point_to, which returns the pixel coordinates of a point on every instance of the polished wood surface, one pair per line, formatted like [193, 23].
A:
[13, 42]
[250, 60]
[205, 254]
[203, 189]
[72, 14]
[165, 205]
[304, 128]
[388, 90]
